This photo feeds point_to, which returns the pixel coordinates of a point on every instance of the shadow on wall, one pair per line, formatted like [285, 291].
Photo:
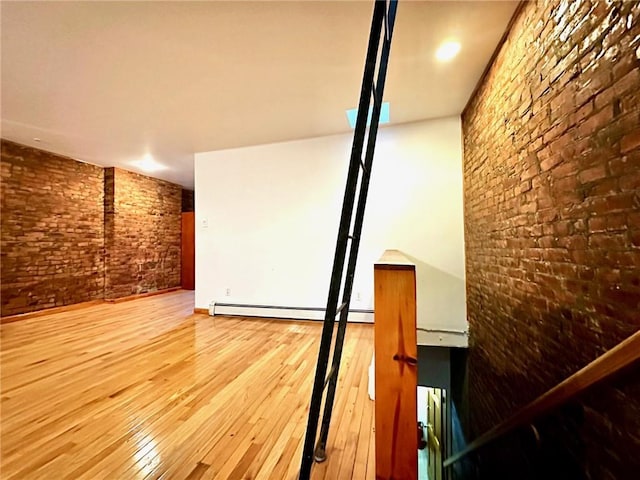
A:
[459, 442]
[533, 356]
[441, 298]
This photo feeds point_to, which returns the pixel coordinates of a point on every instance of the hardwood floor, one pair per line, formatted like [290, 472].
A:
[146, 389]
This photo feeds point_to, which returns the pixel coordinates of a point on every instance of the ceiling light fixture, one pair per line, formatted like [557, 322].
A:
[448, 50]
[148, 164]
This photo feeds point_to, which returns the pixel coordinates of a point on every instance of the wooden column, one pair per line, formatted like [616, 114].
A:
[396, 368]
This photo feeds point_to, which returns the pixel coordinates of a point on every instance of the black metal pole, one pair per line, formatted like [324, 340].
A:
[355, 244]
[380, 15]
[341, 244]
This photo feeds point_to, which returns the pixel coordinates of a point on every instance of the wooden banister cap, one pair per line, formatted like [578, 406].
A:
[395, 259]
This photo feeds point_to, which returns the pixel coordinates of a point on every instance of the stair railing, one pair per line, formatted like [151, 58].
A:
[602, 368]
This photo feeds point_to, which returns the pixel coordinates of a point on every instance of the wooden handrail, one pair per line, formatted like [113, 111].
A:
[619, 357]
[396, 369]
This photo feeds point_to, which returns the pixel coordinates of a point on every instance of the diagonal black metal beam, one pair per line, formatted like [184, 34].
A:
[381, 19]
[355, 245]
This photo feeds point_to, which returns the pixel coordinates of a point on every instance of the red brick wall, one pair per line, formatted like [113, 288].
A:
[74, 232]
[52, 230]
[142, 233]
[552, 218]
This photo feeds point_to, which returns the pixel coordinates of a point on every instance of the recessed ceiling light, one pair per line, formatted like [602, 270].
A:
[352, 115]
[148, 164]
[448, 50]
[36, 139]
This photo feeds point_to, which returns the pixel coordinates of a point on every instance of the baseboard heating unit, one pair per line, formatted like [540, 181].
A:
[276, 311]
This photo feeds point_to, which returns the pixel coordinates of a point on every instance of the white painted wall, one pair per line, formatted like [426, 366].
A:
[273, 211]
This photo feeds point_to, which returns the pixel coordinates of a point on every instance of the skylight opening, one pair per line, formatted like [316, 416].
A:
[352, 114]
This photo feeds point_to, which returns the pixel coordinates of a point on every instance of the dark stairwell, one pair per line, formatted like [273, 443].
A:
[552, 232]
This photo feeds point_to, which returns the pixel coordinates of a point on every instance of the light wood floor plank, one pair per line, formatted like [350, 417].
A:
[146, 389]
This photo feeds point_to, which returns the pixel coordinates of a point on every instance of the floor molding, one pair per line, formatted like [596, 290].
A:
[142, 295]
[49, 311]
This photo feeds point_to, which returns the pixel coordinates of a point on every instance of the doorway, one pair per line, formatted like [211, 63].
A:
[188, 271]
[433, 416]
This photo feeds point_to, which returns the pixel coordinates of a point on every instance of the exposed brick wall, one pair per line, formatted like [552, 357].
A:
[552, 219]
[52, 230]
[74, 232]
[142, 233]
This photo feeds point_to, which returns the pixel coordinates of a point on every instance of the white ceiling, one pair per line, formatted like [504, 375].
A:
[107, 82]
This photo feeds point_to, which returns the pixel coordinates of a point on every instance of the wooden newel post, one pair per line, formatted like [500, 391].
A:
[396, 368]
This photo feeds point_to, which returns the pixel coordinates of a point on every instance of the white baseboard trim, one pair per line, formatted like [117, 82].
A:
[284, 312]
